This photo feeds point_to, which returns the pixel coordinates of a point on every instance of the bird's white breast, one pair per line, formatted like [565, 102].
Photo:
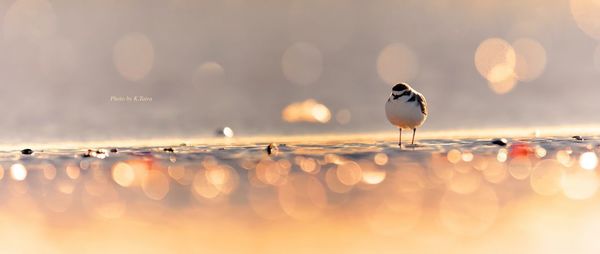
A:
[404, 114]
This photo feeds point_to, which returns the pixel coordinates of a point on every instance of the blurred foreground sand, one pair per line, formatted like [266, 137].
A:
[314, 195]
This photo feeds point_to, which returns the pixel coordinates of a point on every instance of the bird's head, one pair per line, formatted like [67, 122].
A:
[400, 90]
[400, 87]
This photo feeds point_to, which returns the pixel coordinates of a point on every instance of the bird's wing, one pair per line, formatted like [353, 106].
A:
[422, 103]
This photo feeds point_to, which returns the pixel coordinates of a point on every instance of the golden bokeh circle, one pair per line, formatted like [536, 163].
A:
[397, 63]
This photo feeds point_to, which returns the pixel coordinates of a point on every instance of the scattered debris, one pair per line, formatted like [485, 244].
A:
[169, 150]
[100, 154]
[520, 150]
[577, 137]
[272, 149]
[27, 151]
[224, 132]
[500, 141]
[87, 154]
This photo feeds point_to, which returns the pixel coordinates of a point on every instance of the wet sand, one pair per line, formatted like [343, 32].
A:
[313, 195]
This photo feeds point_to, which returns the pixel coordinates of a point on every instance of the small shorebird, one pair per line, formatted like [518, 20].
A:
[406, 109]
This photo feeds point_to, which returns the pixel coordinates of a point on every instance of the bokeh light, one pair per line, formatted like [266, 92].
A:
[133, 56]
[587, 16]
[302, 63]
[123, 174]
[29, 20]
[588, 160]
[580, 184]
[546, 177]
[531, 59]
[155, 185]
[469, 214]
[208, 73]
[397, 63]
[18, 172]
[307, 111]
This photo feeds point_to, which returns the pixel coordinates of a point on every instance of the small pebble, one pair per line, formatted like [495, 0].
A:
[272, 149]
[114, 150]
[169, 150]
[500, 141]
[577, 137]
[27, 151]
[87, 154]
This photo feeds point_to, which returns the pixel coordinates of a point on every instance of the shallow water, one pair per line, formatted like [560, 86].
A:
[457, 195]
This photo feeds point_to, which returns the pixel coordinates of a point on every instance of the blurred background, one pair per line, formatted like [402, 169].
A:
[268, 67]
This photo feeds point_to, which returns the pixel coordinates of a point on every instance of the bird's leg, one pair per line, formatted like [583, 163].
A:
[400, 137]
[413, 139]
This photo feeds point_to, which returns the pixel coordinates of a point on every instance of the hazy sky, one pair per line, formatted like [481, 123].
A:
[238, 63]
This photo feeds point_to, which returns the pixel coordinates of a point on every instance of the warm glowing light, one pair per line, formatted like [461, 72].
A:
[306, 111]
[208, 73]
[495, 59]
[334, 183]
[349, 173]
[380, 159]
[587, 16]
[320, 113]
[588, 160]
[203, 187]
[467, 156]
[227, 132]
[531, 59]
[123, 174]
[502, 155]
[546, 177]
[273, 173]
[155, 185]
[49, 171]
[302, 197]
[302, 63]
[540, 152]
[564, 157]
[465, 183]
[496, 172]
[265, 203]
[469, 214]
[30, 20]
[72, 171]
[519, 167]
[18, 172]
[454, 156]
[308, 165]
[176, 171]
[373, 175]
[133, 56]
[580, 184]
[397, 63]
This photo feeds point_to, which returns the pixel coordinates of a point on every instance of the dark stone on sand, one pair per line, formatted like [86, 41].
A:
[114, 150]
[87, 154]
[577, 137]
[27, 151]
[272, 149]
[500, 141]
[169, 150]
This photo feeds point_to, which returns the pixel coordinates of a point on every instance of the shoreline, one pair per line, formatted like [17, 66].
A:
[387, 136]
